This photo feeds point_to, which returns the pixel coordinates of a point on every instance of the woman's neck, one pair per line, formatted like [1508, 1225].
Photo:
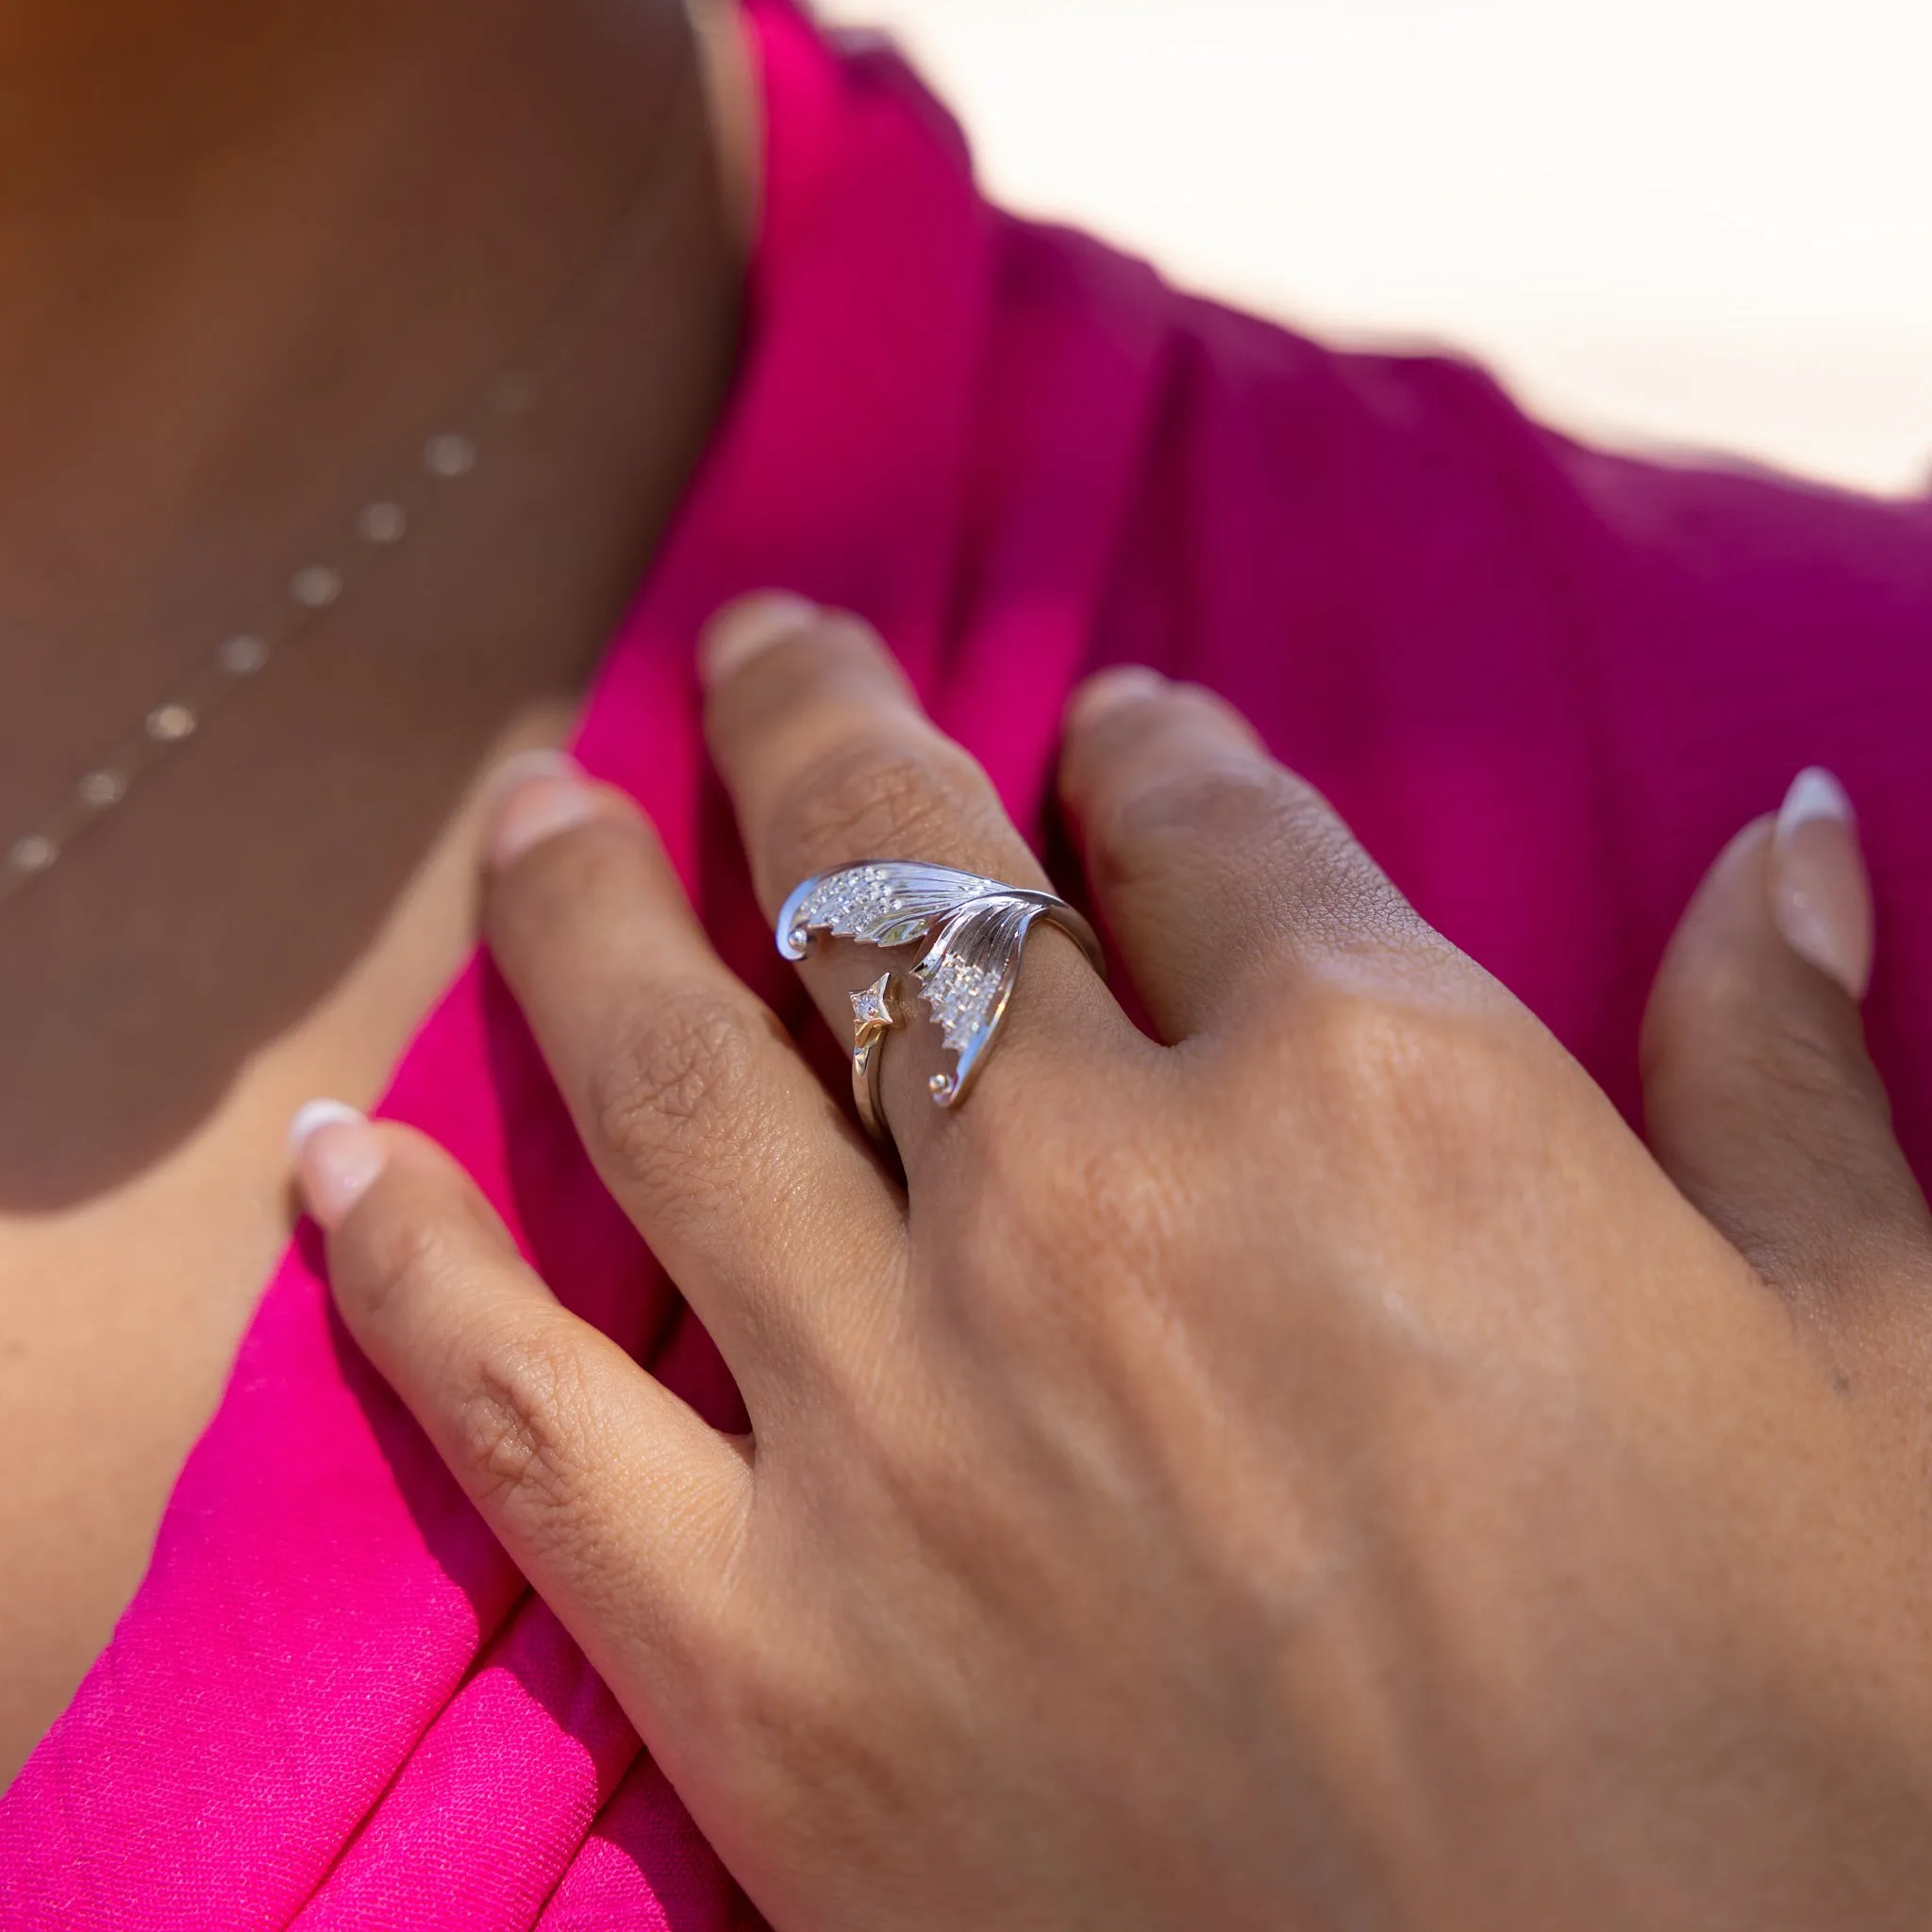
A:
[250, 249]
[235, 231]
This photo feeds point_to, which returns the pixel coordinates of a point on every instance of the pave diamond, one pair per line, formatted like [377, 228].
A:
[961, 994]
[316, 587]
[243, 654]
[885, 904]
[967, 978]
[449, 456]
[382, 522]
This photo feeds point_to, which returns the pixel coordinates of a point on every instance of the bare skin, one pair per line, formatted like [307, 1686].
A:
[1352, 1483]
[254, 250]
[1552, 1516]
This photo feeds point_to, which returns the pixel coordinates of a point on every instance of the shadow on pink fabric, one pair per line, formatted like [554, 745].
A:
[1544, 684]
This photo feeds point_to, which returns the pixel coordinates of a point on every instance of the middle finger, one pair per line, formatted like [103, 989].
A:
[830, 762]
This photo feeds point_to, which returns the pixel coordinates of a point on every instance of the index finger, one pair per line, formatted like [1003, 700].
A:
[618, 1501]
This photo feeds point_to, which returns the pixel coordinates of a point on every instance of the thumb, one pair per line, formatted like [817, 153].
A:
[1761, 1102]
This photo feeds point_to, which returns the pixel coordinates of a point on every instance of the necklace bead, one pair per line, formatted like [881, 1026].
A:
[316, 587]
[381, 522]
[509, 392]
[449, 456]
[243, 655]
[505, 395]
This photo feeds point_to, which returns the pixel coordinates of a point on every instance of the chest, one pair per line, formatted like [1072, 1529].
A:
[120, 1313]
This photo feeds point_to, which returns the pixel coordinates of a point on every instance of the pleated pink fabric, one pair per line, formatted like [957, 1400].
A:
[1544, 684]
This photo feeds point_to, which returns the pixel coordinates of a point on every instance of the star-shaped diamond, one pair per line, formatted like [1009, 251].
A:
[871, 1011]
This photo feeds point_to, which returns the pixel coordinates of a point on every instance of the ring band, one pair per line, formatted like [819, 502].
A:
[975, 931]
[874, 1013]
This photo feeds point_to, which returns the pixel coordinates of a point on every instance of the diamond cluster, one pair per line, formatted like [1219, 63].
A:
[883, 904]
[962, 995]
[848, 901]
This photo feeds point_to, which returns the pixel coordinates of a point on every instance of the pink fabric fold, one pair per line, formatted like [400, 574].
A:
[1545, 685]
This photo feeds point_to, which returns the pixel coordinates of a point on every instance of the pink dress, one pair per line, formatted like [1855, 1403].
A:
[1544, 684]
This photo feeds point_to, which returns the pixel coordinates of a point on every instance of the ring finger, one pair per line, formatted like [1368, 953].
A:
[830, 762]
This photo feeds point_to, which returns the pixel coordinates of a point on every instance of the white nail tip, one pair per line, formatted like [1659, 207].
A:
[315, 1116]
[1814, 794]
[1128, 681]
[523, 766]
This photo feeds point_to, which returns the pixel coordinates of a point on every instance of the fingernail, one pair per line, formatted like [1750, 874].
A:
[537, 794]
[338, 1156]
[1821, 894]
[742, 630]
[542, 763]
[1108, 690]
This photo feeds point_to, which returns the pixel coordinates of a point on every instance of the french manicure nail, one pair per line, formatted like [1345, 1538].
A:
[338, 1156]
[523, 765]
[743, 631]
[1108, 690]
[1821, 894]
[537, 794]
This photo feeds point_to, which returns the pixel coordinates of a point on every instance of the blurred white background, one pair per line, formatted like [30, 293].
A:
[1703, 222]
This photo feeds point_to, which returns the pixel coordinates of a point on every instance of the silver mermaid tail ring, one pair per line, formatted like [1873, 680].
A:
[973, 930]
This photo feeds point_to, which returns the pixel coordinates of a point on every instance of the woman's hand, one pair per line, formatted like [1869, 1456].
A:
[1320, 1471]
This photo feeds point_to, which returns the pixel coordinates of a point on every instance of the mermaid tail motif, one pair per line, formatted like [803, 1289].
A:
[976, 928]
[885, 903]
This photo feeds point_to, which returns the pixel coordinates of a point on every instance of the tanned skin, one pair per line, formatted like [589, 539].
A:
[253, 252]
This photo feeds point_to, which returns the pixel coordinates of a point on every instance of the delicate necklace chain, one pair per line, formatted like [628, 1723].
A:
[387, 516]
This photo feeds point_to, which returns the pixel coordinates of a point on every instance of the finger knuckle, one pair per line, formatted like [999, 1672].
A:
[665, 1102]
[1209, 805]
[1242, 826]
[413, 1254]
[1791, 1080]
[1103, 1191]
[1410, 1091]
[1792, 1060]
[1367, 1057]
[516, 1434]
[882, 798]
